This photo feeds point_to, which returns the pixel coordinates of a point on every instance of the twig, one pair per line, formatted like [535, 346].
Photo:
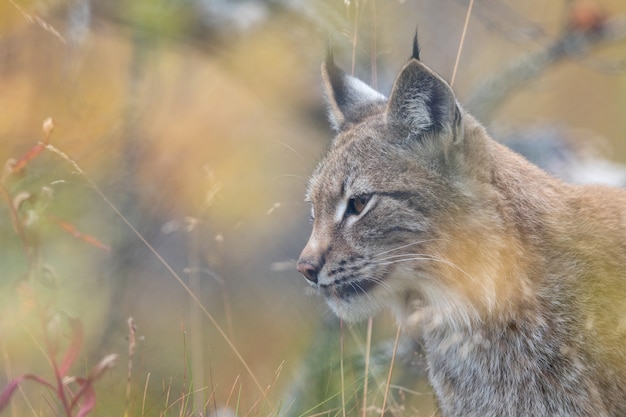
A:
[501, 18]
[571, 44]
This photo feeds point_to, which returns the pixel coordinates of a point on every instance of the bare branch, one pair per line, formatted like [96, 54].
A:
[572, 44]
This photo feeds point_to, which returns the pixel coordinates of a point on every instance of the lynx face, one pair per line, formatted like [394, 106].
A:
[385, 192]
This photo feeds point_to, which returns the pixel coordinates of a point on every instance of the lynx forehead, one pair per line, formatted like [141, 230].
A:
[514, 281]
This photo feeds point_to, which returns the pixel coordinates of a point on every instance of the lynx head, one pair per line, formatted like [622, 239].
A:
[388, 194]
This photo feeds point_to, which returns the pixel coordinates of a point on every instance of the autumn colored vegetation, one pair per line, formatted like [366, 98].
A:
[154, 159]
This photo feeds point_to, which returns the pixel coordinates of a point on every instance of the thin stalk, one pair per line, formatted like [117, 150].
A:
[355, 34]
[195, 318]
[393, 360]
[343, 391]
[374, 47]
[458, 54]
[368, 344]
[167, 266]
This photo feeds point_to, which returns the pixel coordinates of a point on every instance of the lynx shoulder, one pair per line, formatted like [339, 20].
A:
[514, 280]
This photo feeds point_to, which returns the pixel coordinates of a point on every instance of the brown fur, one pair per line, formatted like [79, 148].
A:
[514, 280]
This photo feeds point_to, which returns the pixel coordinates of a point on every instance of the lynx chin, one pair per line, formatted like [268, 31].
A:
[514, 281]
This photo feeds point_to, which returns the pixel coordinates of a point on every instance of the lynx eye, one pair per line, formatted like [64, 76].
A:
[357, 204]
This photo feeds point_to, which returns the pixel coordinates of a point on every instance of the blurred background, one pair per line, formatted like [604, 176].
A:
[185, 131]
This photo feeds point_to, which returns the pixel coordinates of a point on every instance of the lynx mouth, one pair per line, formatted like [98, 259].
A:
[348, 289]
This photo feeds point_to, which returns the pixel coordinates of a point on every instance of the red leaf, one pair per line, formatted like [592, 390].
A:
[5, 395]
[72, 230]
[88, 394]
[95, 242]
[30, 155]
[74, 347]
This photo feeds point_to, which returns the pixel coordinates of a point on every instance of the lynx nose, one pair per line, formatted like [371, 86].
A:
[309, 271]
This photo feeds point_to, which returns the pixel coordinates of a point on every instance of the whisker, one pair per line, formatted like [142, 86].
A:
[402, 255]
[395, 261]
[429, 258]
[412, 255]
[423, 257]
[291, 148]
[381, 282]
[405, 246]
[357, 287]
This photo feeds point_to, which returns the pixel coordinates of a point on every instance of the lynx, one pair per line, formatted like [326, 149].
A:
[514, 281]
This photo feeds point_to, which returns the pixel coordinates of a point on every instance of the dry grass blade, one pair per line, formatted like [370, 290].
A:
[458, 54]
[145, 394]
[343, 387]
[368, 345]
[167, 266]
[39, 21]
[393, 359]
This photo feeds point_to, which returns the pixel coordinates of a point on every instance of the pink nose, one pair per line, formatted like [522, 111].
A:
[308, 270]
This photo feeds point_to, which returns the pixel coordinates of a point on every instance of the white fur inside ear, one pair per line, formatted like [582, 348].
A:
[417, 112]
[347, 96]
[361, 93]
[357, 95]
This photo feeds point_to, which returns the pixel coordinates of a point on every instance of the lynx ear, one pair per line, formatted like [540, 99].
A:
[422, 101]
[348, 97]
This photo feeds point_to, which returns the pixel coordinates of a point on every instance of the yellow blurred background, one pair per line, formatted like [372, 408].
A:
[198, 122]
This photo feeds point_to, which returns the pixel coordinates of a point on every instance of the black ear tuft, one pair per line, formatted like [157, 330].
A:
[416, 47]
[335, 77]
